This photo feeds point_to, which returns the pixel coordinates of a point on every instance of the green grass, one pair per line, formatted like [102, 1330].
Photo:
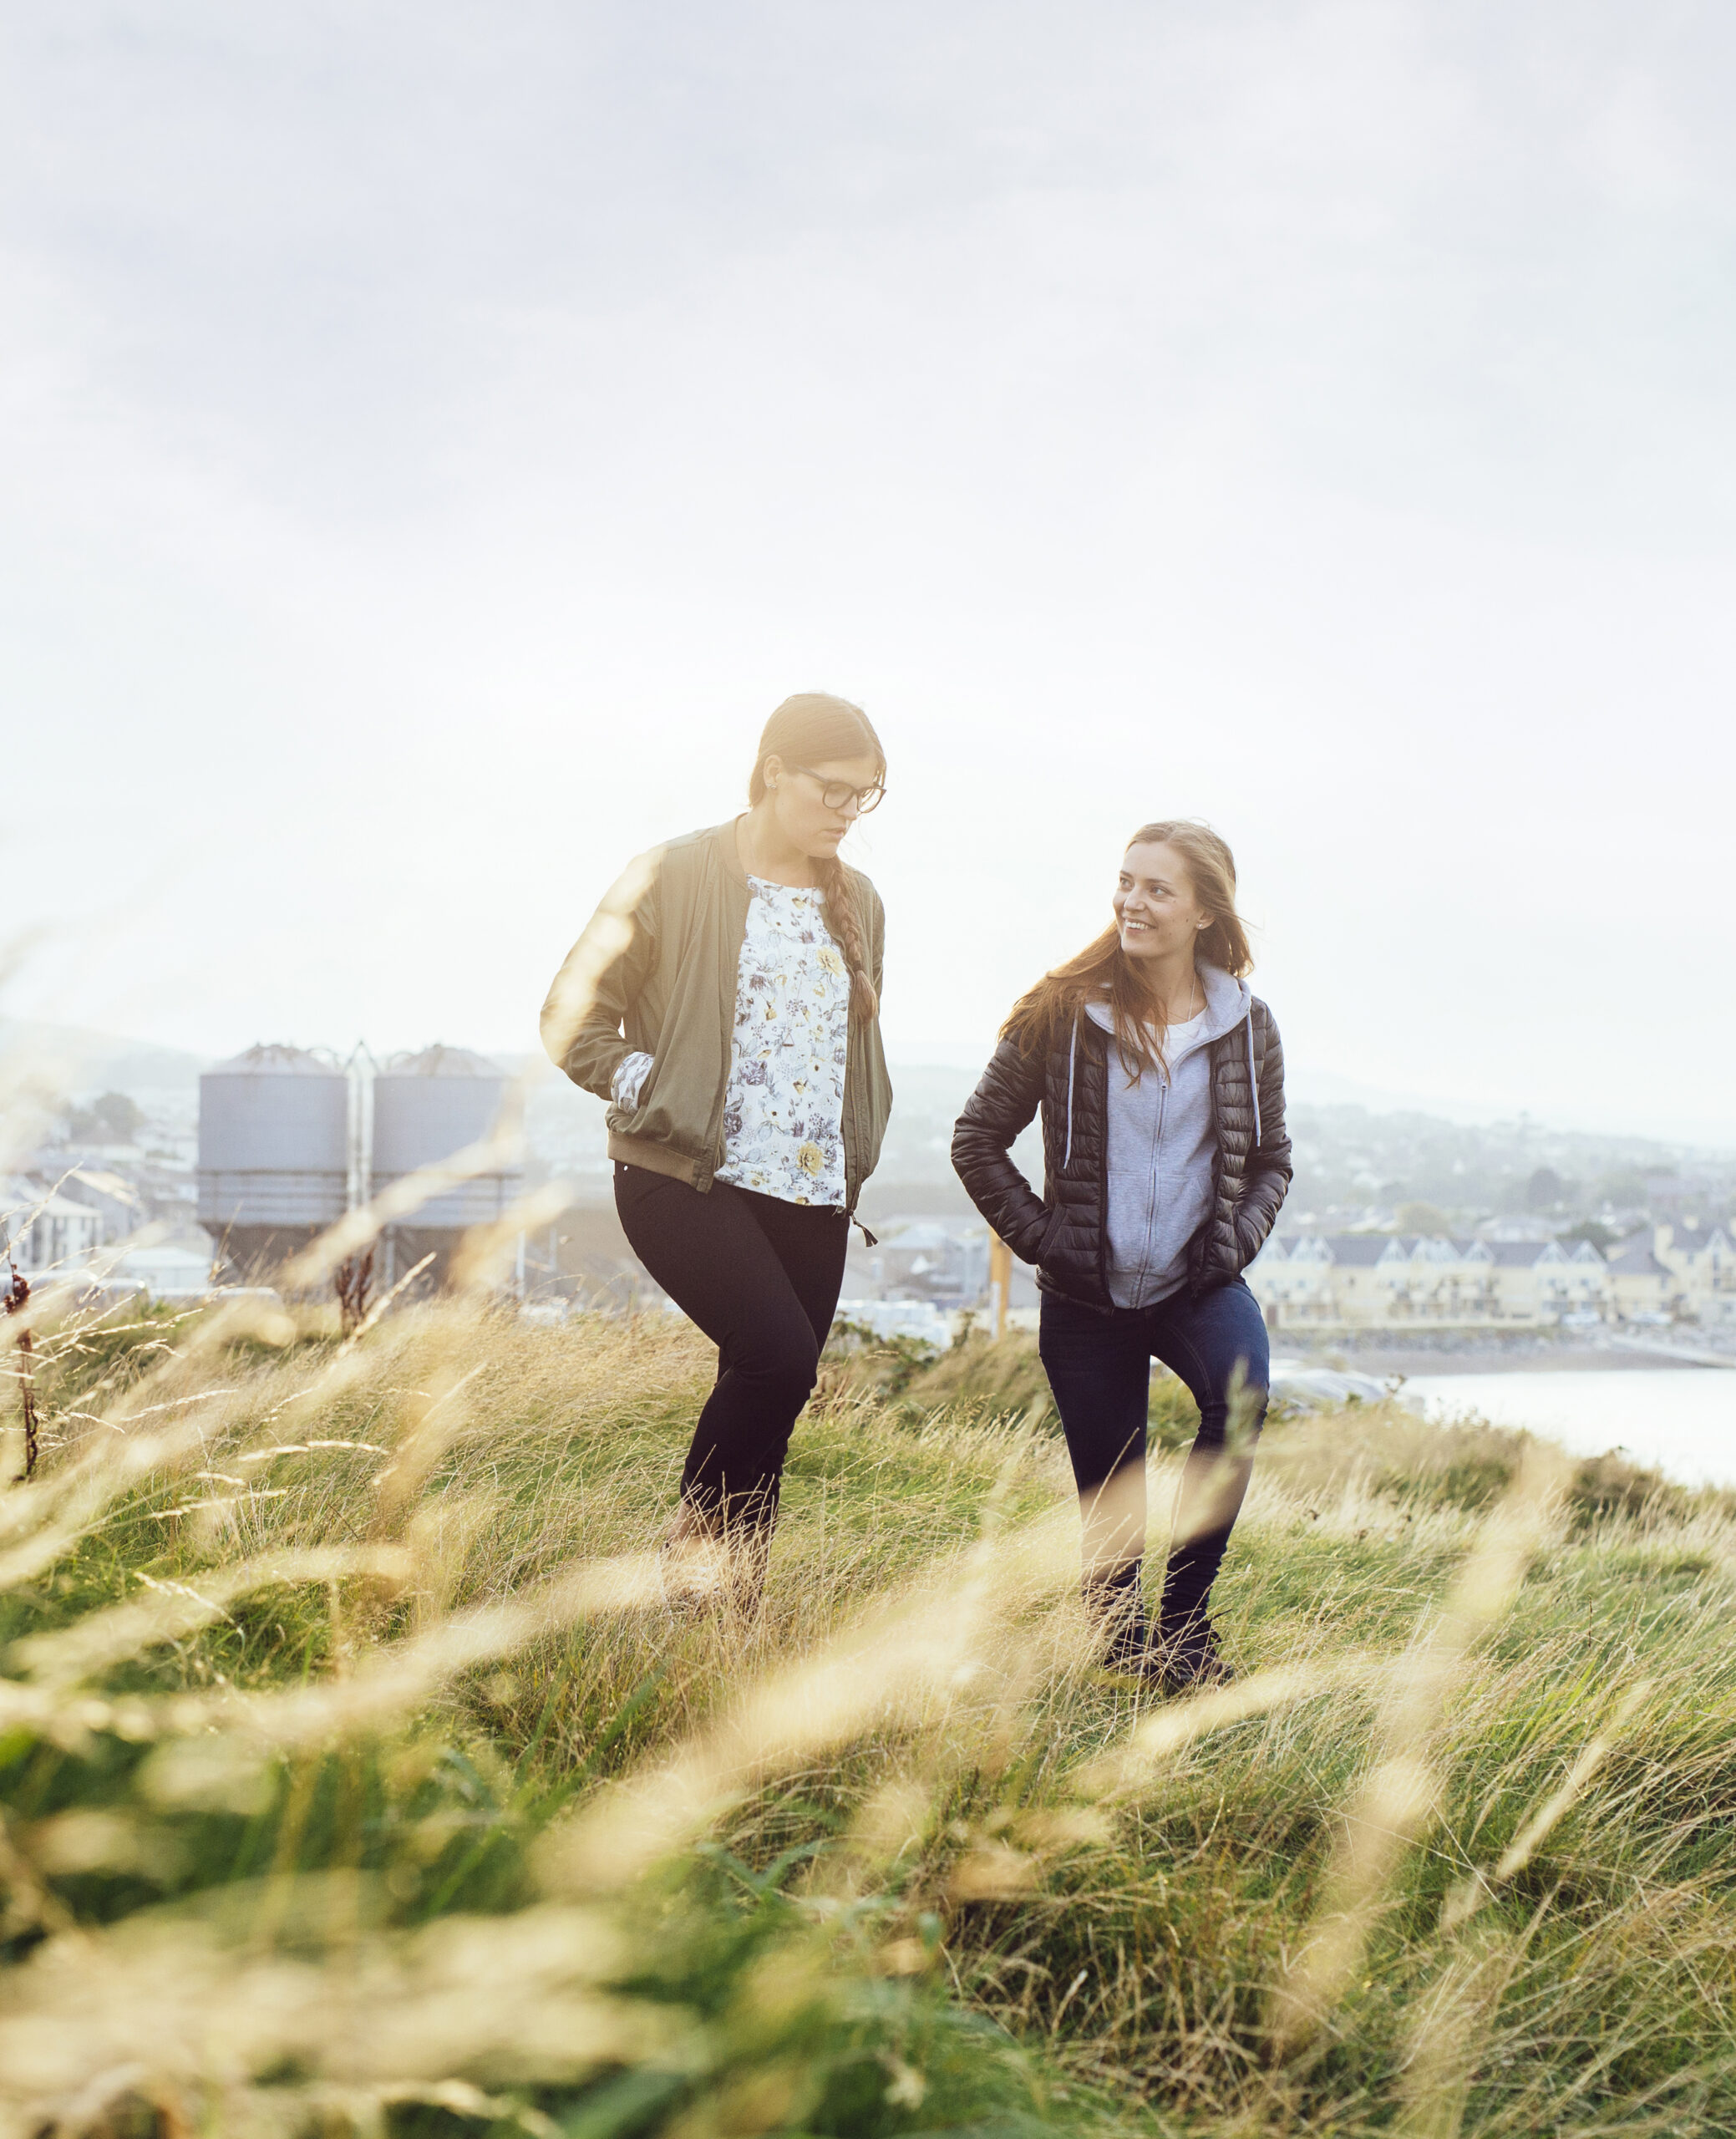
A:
[454, 1823]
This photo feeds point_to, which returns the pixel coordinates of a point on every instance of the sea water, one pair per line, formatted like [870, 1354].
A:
[1681, 1421]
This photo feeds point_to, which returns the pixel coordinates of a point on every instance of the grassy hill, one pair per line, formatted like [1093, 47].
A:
[359, 1776]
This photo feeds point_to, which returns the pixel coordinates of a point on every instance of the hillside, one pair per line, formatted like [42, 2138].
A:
[1348, 1156]
[358, 1773]
[83, 1061]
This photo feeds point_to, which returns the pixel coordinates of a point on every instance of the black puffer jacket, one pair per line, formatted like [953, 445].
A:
[1065, 1233]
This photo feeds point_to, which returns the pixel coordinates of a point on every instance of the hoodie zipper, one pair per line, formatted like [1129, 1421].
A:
[1157, 1183]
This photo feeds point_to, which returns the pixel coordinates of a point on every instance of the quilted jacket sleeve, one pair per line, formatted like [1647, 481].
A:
[1269, 1166]
[600, 978]
[1004, 1102]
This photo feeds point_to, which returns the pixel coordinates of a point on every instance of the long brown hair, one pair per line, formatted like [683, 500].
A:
[816, 726]
[1104, 968]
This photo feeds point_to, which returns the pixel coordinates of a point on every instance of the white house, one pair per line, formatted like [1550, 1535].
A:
[170, 1270]
[116, 1203]
[45, 1232]
[1702, 1260]
[1641, 1287]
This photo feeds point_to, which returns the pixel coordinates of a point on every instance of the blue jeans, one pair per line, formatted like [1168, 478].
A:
[1099, 1367]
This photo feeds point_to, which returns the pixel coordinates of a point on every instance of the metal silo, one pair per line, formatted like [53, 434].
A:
[274, 1153]
[426, 1107]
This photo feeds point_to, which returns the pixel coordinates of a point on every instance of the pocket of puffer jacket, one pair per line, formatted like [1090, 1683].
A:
[1051, 1235]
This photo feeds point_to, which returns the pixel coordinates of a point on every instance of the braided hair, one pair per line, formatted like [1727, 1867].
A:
[816, 726]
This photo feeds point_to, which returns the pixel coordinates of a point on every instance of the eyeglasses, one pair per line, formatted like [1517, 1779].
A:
[836, 793]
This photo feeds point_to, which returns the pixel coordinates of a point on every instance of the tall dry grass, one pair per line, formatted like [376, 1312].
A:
[358, 1774]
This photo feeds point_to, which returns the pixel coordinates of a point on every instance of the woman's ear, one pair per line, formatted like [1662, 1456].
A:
[772, 771]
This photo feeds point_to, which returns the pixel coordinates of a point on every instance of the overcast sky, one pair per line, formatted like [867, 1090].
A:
[435, 435]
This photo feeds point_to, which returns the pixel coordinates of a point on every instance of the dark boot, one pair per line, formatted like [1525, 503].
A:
[1115, 1605]
[750, 1552]
[1187, 1655]
[1212, 1485]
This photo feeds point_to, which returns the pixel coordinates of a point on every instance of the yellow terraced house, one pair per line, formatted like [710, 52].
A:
[1387, 1281]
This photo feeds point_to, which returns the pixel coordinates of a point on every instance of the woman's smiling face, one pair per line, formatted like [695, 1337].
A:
[1156, 908]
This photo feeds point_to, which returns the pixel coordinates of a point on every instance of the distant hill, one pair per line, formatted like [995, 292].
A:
[1357, 1148]
[1648, 1123]
[79, 1062]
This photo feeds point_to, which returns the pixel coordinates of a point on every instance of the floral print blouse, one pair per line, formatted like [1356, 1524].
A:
[783, 1105]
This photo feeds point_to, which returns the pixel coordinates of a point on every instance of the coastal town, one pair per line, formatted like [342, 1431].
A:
[1326, 1284]
[1397, 1224]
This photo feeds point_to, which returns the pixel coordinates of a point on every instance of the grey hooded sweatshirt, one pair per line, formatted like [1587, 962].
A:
[1161, 1139]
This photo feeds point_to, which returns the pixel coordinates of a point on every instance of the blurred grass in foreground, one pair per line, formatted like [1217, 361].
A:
[357, 1776]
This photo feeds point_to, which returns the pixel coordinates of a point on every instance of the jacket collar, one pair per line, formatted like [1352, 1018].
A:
[728, 854]
[1226, 1004]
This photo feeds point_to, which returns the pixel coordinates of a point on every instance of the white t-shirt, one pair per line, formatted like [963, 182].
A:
[1177, 1038]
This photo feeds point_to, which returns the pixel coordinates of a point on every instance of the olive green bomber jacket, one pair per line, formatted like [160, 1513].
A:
[655, 974]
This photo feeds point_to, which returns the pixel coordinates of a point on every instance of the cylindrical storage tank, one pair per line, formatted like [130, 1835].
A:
[426, 1107]
[273, 1153]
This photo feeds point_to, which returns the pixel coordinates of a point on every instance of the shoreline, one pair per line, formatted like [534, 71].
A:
[1559, 1360]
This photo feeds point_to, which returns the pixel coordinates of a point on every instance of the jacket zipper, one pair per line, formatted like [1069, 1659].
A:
[1073, 1053]
[716, 1138]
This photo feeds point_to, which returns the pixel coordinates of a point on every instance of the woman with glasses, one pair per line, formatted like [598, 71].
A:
[1160, 1078]
[725, 1000]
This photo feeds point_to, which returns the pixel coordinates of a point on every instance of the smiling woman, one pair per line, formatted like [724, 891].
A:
[725, 1000]
[1161, 1081]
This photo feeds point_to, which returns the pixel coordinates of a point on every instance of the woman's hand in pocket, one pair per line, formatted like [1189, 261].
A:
[629, 1081]
[1050, 1237]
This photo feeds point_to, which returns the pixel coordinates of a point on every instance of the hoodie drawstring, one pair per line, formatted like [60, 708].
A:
[1253, 1078]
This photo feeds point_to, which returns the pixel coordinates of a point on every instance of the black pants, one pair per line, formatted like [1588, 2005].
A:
[761, 1278]
[1099, 1368]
